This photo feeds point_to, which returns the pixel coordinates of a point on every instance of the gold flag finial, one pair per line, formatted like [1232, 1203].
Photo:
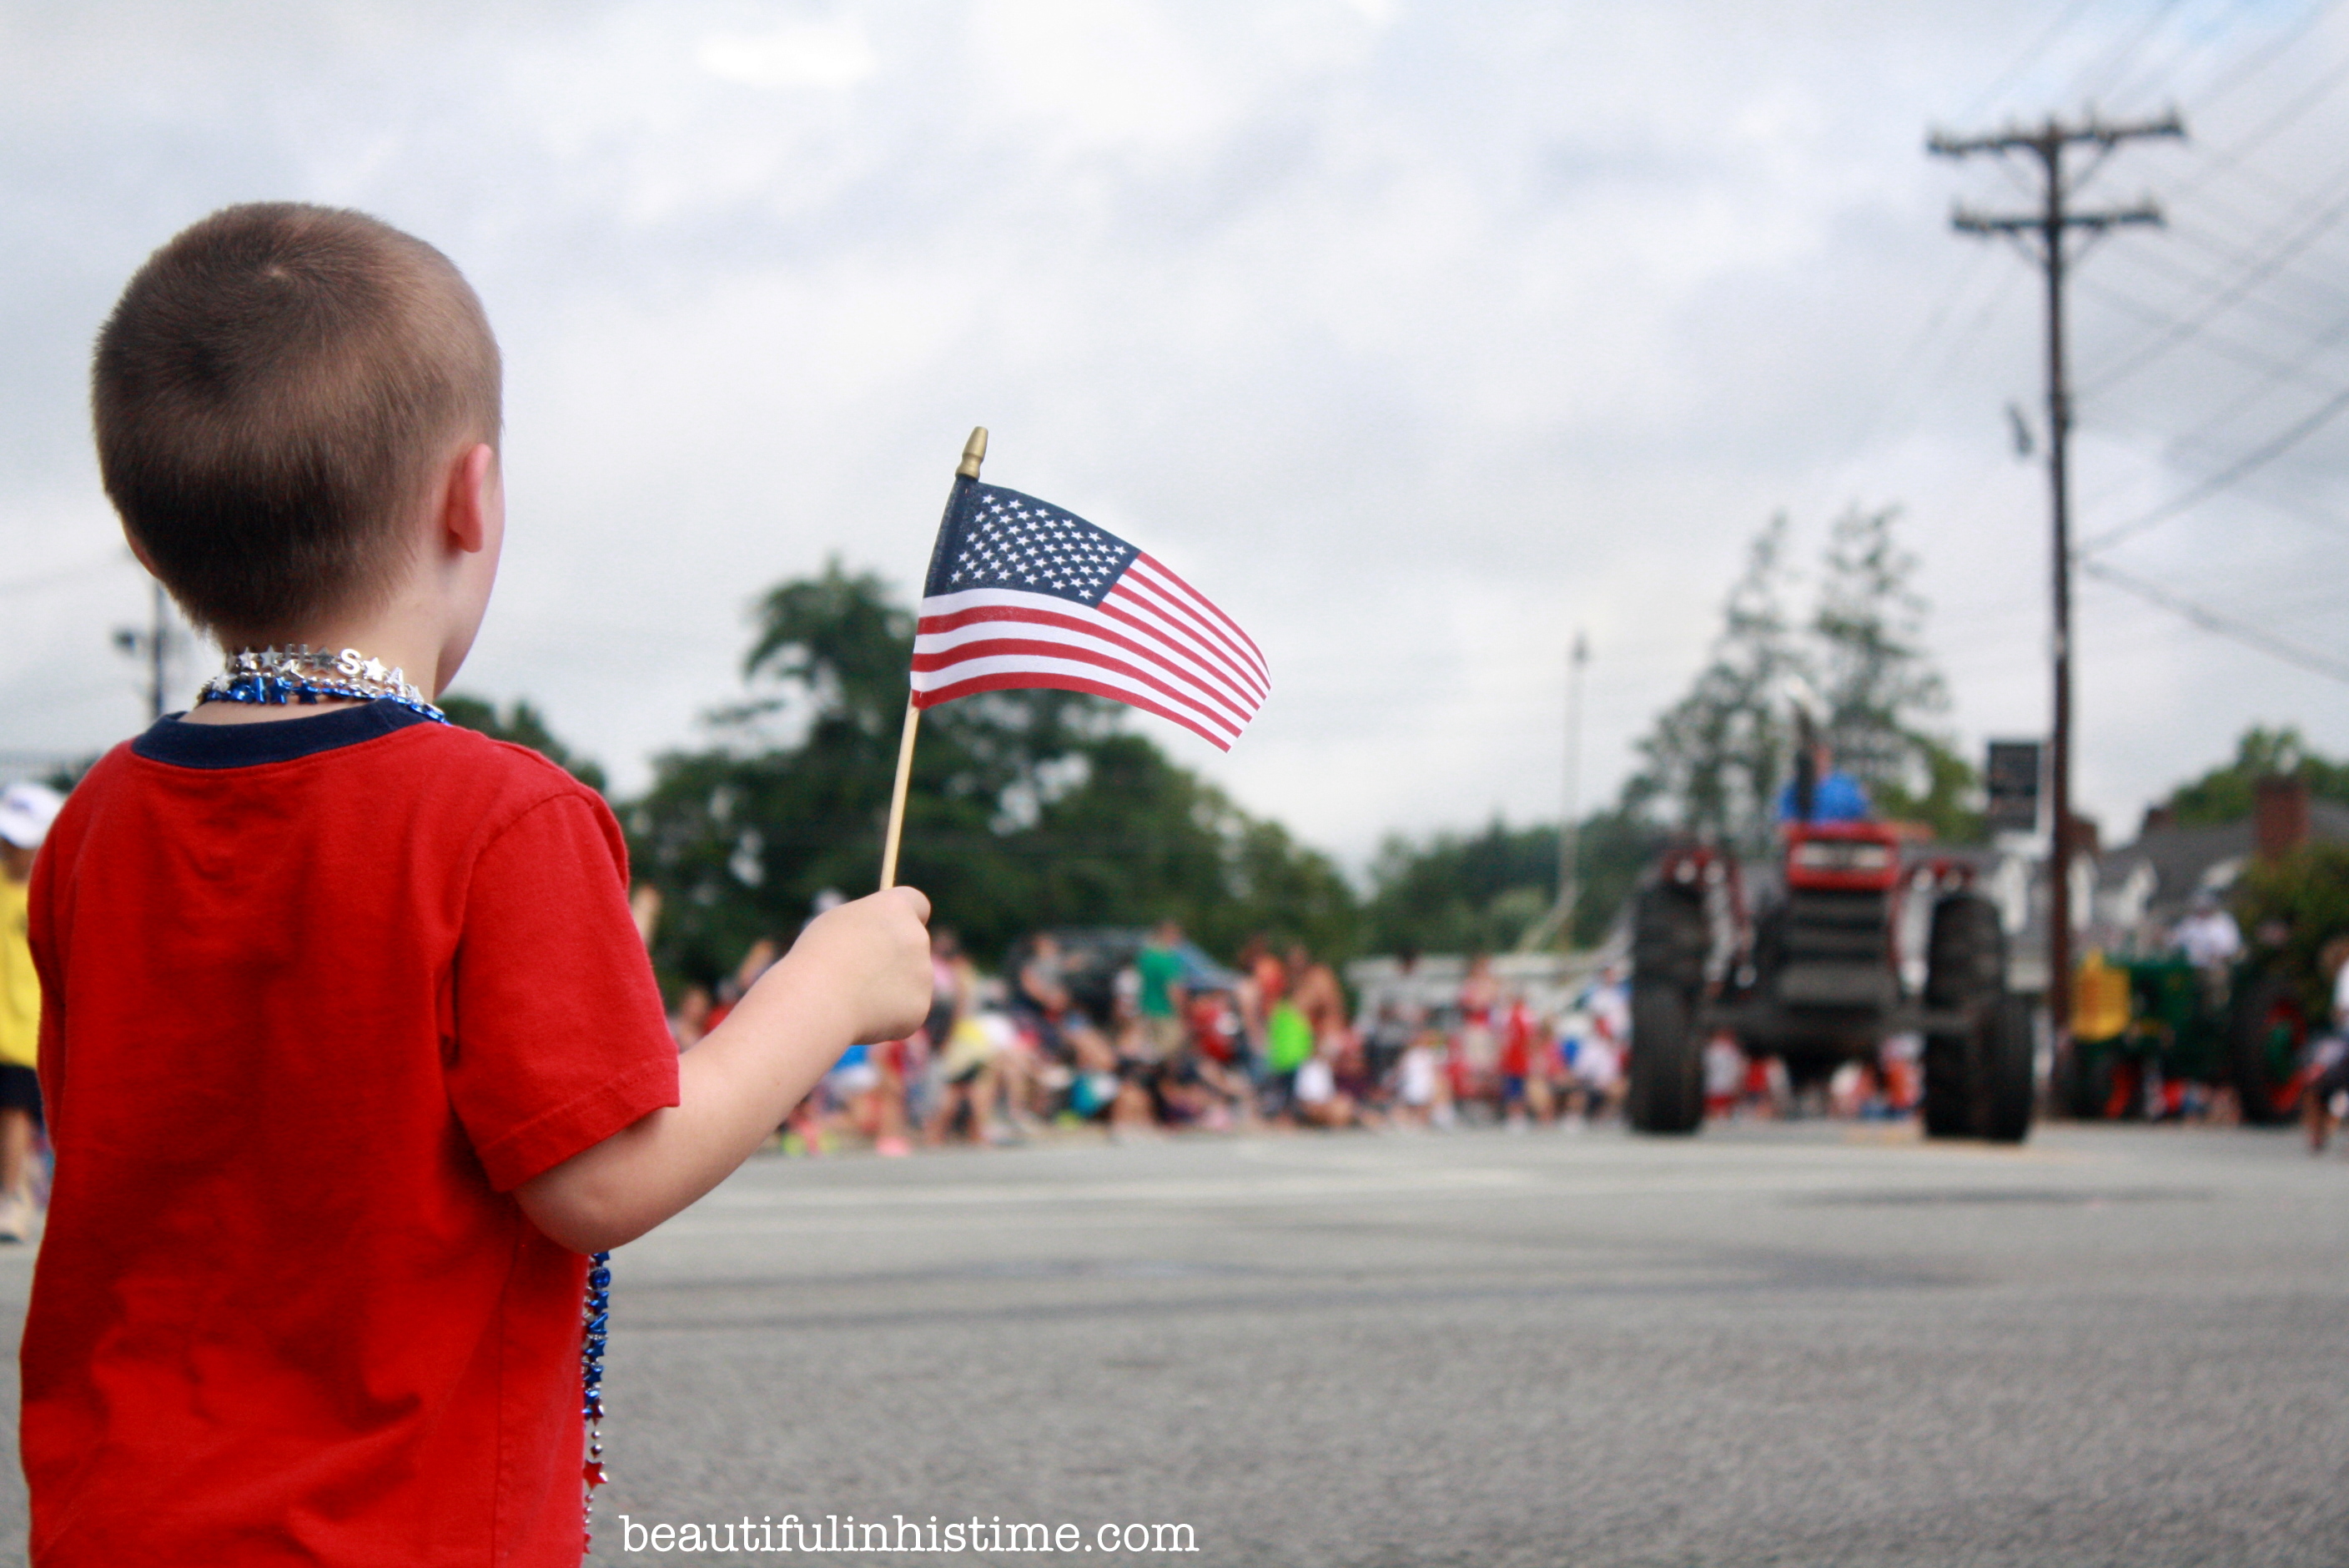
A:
[974, 452]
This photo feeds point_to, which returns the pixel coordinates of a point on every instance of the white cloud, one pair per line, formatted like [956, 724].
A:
[830, 55]
[1090, 78]
[1418, 335]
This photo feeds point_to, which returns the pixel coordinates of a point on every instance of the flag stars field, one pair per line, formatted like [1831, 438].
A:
[1022, 596]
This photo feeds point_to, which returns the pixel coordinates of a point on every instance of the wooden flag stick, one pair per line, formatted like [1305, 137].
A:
[974, 452]
[898, 796]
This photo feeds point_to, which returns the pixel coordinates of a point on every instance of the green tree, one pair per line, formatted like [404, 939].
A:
[1281, 889]
[1951, 802]
[1868, 628]
[1615, 847]
[1462, 893]
[1713, 763]
[1880, 688]
[1484, 891]
[2229, 793]
[2307, 889]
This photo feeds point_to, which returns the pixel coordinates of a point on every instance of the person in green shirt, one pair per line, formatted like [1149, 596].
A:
[1163, 997]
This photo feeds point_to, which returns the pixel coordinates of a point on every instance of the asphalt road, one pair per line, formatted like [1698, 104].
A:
[1804, 1346]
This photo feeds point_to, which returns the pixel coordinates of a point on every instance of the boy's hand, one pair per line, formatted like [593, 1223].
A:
[873, 958]
[859, 972]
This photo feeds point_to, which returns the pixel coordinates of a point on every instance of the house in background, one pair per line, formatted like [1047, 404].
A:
[2141, 890]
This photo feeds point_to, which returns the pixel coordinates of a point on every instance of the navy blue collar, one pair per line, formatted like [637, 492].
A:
[174, 740]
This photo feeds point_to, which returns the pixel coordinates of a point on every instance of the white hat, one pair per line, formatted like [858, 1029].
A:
[27, 810]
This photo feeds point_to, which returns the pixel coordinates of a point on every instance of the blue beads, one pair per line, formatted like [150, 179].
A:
[596, 1319]
[262, 679]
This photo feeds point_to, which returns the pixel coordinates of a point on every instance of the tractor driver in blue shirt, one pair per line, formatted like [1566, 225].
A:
[1821, 792]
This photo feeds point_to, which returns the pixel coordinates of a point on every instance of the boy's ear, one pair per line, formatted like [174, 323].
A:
[471, 504]
[139, 553]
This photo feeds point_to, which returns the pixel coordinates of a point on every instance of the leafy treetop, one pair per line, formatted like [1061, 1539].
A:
[1715, 761]
[2229, 793]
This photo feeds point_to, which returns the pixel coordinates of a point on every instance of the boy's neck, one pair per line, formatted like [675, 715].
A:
[424, 626]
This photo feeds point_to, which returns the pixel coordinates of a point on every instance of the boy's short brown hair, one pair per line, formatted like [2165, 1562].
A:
[271, 396]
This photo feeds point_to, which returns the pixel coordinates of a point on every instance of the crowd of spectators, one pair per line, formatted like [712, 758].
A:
[1146, 1034]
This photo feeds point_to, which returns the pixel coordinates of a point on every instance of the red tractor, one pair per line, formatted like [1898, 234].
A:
[1813, 977]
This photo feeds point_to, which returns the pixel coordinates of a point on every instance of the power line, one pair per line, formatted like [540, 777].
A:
[2263, 266]
[153, 644]
[2290, 302]
[2169, 274]
[1882, 411]
[2117, 62]
[2028, 58]
[2296, 371]
[2258, 60]
[2228, 157]
[2291, 506]
[2241, 234]
[2222, 625]
[2153, 74]
[2291, 195]
[2232, 348]
[2202, 491]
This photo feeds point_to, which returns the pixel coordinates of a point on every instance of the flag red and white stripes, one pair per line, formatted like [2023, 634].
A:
[1021, 595]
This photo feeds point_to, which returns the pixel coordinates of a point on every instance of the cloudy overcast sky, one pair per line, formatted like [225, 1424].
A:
[1419, 335]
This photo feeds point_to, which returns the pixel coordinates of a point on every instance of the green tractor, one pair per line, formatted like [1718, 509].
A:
[2267, 1030]
[2147, 1029]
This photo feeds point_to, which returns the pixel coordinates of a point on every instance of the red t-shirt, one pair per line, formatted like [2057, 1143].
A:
[319, 994]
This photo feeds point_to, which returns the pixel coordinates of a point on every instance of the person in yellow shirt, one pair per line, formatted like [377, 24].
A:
[25, 813]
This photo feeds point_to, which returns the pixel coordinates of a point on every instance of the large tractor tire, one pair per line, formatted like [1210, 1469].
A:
[1949, 1097]
[2264, 1037]
[1670, 938]
[1669, 944]
[1965, 956]
[1977, 1078]
[2008, 1091]
[1667, 1060]
[2084, 1081]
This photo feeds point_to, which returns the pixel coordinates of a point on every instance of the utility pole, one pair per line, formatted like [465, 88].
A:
[153, 646]
[1558, 925]
[2049, 226]
[1569, 827]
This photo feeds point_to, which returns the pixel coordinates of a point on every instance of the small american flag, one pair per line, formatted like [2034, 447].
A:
[1024, 595]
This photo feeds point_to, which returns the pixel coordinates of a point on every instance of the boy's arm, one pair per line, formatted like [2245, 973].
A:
[860, 972]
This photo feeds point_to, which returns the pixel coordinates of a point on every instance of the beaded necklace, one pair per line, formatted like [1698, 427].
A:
[299, 673]
[591, 1381]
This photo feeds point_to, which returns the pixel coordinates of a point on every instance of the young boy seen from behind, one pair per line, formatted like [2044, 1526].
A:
[350, 1047]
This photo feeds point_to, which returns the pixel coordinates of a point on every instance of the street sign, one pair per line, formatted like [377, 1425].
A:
[2012, 778]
